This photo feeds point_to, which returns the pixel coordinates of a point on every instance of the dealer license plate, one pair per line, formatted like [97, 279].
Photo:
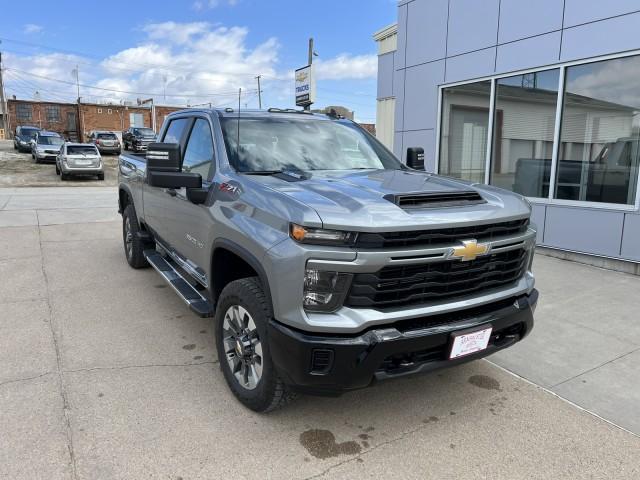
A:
[471, 342]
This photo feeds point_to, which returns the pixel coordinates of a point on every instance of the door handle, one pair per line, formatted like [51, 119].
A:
[171, 192]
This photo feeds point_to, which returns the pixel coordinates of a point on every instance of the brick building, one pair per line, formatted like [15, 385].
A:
[54, 116]
[71, 119]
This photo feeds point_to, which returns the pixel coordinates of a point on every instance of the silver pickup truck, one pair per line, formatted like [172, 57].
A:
[326, 263]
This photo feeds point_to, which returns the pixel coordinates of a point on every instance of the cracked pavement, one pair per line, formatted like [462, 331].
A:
[106, 374]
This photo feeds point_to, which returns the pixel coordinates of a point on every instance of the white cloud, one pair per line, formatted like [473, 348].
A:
[200, 5]
[613, 81]
[31, 28]
[347, 66]
[193, 60]
[193, 63]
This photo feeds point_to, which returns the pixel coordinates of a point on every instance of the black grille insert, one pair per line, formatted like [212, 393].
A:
[397, 286]
[437, 236]
[436, 199]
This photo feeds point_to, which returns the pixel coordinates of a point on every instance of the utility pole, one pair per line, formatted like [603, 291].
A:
[78, 82]
[79, 126]
[3, 103]
[311, 53]
[259, 93]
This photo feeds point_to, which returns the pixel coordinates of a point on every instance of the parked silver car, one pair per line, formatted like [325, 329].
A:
[45, 146]
[79, 159]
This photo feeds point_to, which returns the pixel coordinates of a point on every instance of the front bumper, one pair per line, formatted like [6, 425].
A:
[46, 156]
[140, 146]
[330, 364]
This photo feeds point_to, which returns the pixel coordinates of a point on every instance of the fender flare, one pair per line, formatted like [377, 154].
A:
[126, 189]
[248, 257]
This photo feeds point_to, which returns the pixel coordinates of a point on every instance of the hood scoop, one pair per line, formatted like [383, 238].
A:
[436, 199]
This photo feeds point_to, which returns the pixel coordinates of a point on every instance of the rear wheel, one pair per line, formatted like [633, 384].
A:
[242, 314]
[101, 176]
[133, 246]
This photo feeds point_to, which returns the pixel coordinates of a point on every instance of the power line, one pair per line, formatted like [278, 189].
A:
[182, 95]
[140, 67]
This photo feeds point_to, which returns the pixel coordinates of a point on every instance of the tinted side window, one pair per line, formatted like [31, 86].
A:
[174, 131]
[199, 152]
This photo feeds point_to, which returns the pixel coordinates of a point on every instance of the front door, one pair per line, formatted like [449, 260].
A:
[184, 227]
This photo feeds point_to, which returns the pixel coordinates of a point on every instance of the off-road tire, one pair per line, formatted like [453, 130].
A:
[134, 255]
[270, 392]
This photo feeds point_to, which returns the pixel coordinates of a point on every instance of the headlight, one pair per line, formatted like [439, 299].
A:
[320, 236]
[324, 291]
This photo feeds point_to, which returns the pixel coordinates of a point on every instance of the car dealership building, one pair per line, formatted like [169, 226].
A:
[542, 98]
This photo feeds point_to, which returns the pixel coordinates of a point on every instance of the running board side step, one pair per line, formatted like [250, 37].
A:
[192, 297]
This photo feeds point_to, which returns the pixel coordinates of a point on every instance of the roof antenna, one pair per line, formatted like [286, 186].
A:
[238, 128]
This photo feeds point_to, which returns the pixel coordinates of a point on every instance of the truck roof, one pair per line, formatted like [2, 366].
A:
[252, 112]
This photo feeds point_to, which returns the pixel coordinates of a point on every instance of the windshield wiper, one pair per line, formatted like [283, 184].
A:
[261, 172]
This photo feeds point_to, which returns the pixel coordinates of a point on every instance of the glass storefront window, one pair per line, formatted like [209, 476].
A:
[523, 130]
[464, 130]
[600, 132]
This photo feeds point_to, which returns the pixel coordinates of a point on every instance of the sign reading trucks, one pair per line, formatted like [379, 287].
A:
[305, 86]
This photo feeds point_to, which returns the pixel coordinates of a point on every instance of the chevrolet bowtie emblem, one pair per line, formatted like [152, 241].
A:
[469, 250]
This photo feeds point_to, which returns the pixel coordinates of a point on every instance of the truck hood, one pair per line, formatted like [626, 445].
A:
[355, 200]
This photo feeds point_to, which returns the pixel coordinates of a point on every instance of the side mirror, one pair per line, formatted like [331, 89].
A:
[163, 157]
[415, 158]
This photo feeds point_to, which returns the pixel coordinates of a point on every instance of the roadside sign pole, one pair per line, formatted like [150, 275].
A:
[308, 107]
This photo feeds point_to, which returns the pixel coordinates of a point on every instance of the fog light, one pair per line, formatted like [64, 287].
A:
[323, 290]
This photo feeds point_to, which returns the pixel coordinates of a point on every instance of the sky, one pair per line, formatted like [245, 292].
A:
[192, 52]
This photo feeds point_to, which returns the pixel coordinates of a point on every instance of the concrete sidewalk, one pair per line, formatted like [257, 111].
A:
[105, 374]
[586, 343]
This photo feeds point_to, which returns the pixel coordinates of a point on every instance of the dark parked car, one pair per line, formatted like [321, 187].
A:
[138, 138]
[107, 142]
[46, 146]
[22, 138]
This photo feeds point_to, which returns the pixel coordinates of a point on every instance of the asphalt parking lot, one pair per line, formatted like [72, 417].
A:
[105, 374]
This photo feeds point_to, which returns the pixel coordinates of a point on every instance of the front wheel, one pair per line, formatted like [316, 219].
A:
[133, 246]
[242, 314]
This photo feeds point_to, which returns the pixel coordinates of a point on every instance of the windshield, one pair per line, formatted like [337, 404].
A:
[81, 150]
[50, 140]
[143, 131]
[107, 136]
[268, 144]
[28, 132]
